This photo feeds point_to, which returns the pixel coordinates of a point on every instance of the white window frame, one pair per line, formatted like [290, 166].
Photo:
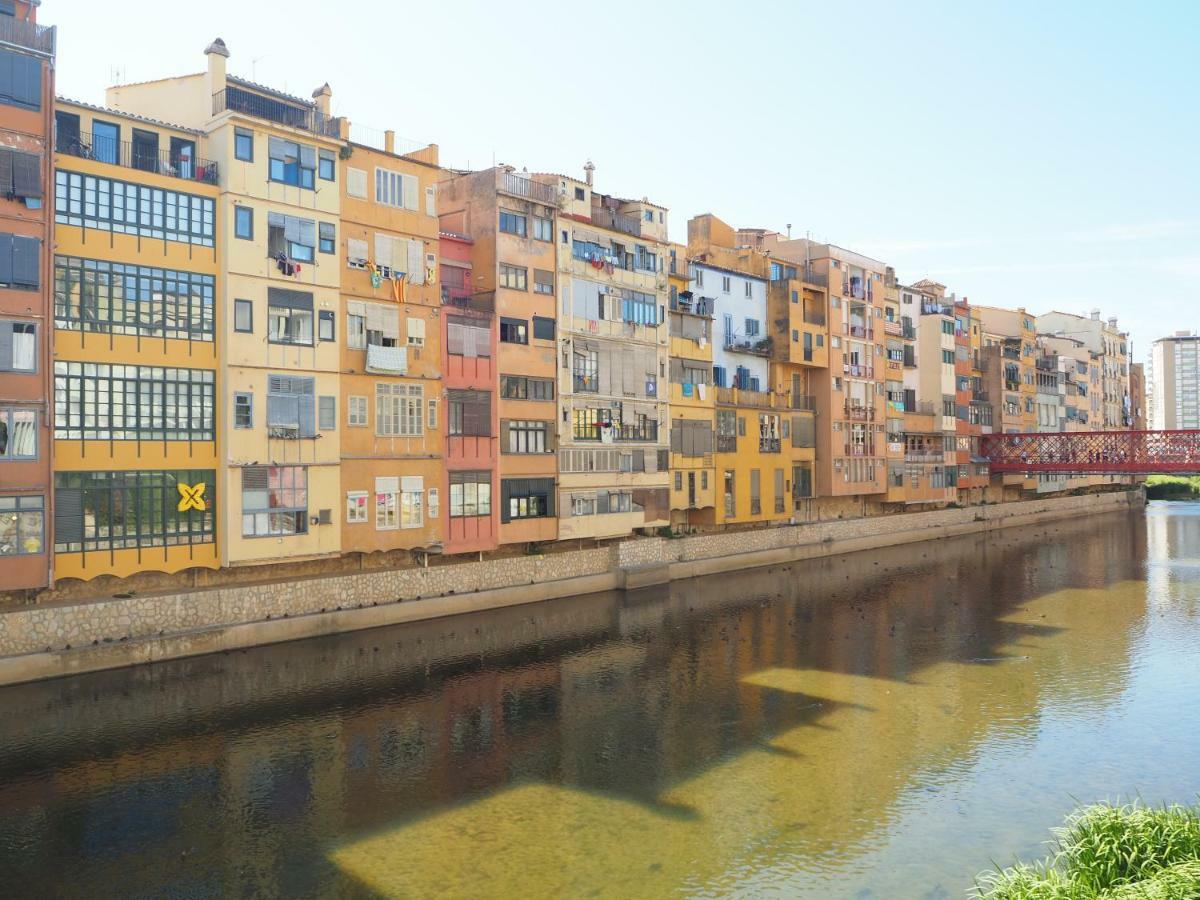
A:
[358, 411]
[356, 507]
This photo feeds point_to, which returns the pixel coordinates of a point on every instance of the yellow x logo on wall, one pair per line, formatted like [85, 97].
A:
[191, 497]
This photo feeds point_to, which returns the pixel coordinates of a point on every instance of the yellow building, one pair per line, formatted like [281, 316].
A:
[278, 307]
[390, 346]
[137, 348]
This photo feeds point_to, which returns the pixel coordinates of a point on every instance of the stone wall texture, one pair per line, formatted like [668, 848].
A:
[78, 626]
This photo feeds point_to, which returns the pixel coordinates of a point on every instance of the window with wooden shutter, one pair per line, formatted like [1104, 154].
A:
[20, 174]
[20, 80]
[431, 200]
[356, 253]
[356, 183]
[19, 261]
[469, 413]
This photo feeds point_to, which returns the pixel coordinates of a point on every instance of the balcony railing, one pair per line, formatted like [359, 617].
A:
[858, 371]
[646, 432]
[755, 346]
[465, 299]
[803, 401]
[768, 445]
[859, 450]
[812, 277]
[814, 317]
[759, 399]
[133, 156]
[306, 118]
[924, 456]
[893, 328]
[519, 186]
[857, 413]
[26, 34]
[859, 331]
[606, 218]
[678, 266]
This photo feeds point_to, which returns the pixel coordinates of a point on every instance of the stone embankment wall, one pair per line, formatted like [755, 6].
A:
[59, 639]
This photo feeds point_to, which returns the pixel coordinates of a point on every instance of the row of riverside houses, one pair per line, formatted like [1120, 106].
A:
[239, 336]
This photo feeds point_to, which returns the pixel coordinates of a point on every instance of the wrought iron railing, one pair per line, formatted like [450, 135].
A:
[306, 118]
[135, 156]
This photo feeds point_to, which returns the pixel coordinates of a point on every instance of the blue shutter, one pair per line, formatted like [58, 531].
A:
[25, 253]
[6, 258]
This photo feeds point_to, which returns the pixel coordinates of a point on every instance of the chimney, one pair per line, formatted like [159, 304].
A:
[217, 53]
[389, 141]
[588, 169]
[1112, 323]
[1096, 315]
[321, 98]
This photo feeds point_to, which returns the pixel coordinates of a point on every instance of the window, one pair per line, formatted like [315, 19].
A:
[526, 498]
[327, 413]
[468, 337]
[138, 209]
[326, 165]
[356, 328]
[325, 325]
[470, 494]
[292, 163]
[18, 434]
[116, 510]
[328, 238]
[20, 262]
[22, 525]
[21, 176]
[586, 370]
[543, 328]
[290, 412]
[243, 316]
[243, 410]
[18, 346]
[514, 331]
[431, 420]
[356, 411]
[243, 145]
[512, 223]
[274, 501]
[749, 289]
[294, 237]
[543, 229]
[396, 189]
[114, 298]
[356, 183]
[243, 223]
[398, 409]
[469, 413]
[725, 283]
[520, 436]
[587, 423]
[513, 277]
[752, 328]
[289, 317]
[518, 387]
[416, 332]
[98, 401]
[356, 507]
[412, 501]
[579, 194]
[543, 282]
[948, 357]
[20, 80]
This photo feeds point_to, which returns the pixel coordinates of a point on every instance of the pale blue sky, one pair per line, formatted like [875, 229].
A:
[1036, 154]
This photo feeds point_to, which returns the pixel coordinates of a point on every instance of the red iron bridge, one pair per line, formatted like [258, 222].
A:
[1095, 452]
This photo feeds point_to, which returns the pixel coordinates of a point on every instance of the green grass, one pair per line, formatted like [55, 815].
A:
[1173, 487]
[1110, 853]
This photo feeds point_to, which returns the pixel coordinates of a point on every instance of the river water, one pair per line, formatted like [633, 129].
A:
[874, 725]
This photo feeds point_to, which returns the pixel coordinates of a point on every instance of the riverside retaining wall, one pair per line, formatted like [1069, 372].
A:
[52, 640]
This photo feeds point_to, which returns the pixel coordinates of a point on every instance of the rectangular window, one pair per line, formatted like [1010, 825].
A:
[326, 165]
[22, 525]
[292, 163]
[18, 346]
[274, 501]
[356, 183]
[243, 223]
[543, 229]
[725, 284]
[526, 498]
[289, 317]
[18, 434]
[356, 507]
[20, 262]
[290, 407]
[325, 325]
[519, 387]
[416, 332]
[328, 238]
[543, 328]
[399, 409]
[356, 411]
[118, 510]
[243, 145]
[543, 282]
[115, 298]
[106, 204]
[514, 331]
[586, 370]
[20, 80]
[293, 237]
[468, 337]
[525, 436]
[243, 316]
[469, 413]
[431, 420]
[512, 223]
[243, 410]
[412, 501]
[396, 189]
[327, 413]
[513, 277]
[21, 176]
[470, 494]
[98, 401]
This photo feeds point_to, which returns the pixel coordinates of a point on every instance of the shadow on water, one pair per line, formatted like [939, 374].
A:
[237, 774]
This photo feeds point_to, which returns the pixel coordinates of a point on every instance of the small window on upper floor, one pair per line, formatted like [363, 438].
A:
[649, 215]
[326, 165]
[243, 145]
[20, 80]
[579, 193]
[243, 223]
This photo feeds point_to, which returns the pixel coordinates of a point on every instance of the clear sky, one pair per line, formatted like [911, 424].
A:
[1036, 154]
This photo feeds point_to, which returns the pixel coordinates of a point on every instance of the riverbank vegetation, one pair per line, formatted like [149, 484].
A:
[1172, 487]
[1110, 853]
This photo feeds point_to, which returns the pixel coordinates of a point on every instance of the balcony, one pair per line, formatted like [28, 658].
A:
[768, 445]
[859, 450]
[645, 432]
[856, 413]
[805, 402]
[607, 218]
[526, 188]
[463, 298]
[937, 309]
[893, 328]
[306, 118]
[40, 38]
[858, 371]
[814, 317]
[753, 346]
[808, 276]
[859, 331]
[132, 156]
[687, 302]
[924, 456]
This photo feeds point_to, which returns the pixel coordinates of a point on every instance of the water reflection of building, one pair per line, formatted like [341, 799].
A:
[830, 687]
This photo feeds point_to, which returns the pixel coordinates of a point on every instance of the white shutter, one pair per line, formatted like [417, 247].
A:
[387, 485]
[356, 183]
[416, 267]
[412, 483]
[431, 200]
[383, 250]
[416, 330]
[411, 189]
[356, 250]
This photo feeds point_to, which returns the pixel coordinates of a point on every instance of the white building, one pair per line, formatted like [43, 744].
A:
[741, 346]
[1174, 382]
